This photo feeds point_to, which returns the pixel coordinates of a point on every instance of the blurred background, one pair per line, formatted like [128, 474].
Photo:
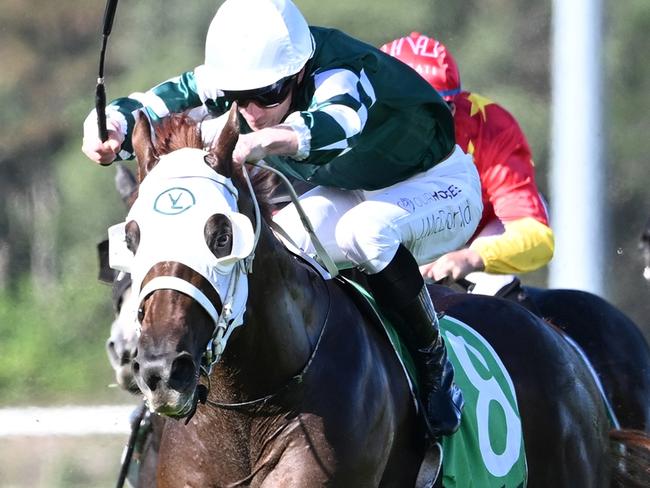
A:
[55, 205]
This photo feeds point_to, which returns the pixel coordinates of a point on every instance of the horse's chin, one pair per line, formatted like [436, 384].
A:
[171, 403]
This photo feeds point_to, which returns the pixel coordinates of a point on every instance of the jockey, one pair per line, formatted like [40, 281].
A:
[392, 188]
[513, 235]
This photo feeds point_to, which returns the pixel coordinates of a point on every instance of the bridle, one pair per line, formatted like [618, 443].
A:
[223, 327]
[227, 315]
[223, 311]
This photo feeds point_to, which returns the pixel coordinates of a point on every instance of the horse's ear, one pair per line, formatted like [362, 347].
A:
[227, 141]
[126, 185]
[143, 146]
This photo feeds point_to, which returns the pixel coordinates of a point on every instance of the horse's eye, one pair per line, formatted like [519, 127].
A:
[218, 235]
[132, 236]
[223, 240]
[220, 243]
[130, 243]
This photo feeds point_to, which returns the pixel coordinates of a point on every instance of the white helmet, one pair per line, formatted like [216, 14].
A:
[255, 43]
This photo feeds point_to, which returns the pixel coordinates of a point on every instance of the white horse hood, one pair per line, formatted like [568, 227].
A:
[175, 201]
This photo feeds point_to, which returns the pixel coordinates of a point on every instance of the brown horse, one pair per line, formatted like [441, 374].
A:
[611, 341]
[307, 392]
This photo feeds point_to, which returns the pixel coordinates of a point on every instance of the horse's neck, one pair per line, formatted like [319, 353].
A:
[282, 318]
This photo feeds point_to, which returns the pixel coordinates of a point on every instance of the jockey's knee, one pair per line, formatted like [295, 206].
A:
[367, 239]
[289, 220]
[319, 209]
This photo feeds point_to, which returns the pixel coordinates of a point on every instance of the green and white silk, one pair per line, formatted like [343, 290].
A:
[371, 120]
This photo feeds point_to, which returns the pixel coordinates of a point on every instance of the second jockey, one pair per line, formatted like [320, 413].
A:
[513, 235]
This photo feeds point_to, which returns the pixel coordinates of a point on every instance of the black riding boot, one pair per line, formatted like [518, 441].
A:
[402, 296]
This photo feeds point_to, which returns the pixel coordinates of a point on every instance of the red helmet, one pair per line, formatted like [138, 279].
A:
[430, 58]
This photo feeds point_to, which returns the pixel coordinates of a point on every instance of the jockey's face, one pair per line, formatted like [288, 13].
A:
[259, 116]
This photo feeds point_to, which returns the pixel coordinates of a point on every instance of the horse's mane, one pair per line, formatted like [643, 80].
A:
[178, 131]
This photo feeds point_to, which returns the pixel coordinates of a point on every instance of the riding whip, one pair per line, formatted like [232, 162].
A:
[100, 91]
[136, 424]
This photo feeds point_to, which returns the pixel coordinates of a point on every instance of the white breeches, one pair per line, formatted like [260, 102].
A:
[431, 213]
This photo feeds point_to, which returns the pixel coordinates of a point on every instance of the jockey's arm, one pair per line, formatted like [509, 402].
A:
[336, 116]
[175, 95]
[316, 135]
[527, 242]
[280, 140]
[508, 179]
[526, 245]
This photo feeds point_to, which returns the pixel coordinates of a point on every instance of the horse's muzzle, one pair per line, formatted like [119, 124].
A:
[168, 383]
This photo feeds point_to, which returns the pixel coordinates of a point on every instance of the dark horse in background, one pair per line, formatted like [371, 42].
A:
[612, 342]
[350, 420]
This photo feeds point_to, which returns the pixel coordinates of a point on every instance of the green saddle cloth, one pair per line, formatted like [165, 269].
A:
[487, 451]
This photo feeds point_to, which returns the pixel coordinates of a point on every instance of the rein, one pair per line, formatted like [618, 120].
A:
[293, 381]
[324, 256]
[202, 393]
[217, 343]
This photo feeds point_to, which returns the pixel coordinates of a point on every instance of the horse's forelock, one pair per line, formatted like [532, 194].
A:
[176, 132]
[179, 131]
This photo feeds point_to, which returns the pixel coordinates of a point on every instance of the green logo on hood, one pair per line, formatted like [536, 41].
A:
[174, 201]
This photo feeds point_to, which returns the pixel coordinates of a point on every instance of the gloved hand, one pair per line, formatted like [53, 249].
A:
[100, 152]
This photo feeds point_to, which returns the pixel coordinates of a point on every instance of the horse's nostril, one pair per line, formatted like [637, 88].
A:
[152, 381]
[125, 358]
[182, 374]
[136, 367]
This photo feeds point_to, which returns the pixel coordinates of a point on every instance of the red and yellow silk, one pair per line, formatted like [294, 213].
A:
[503, 157]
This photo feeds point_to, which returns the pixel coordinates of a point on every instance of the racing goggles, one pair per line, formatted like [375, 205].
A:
[267, 97]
